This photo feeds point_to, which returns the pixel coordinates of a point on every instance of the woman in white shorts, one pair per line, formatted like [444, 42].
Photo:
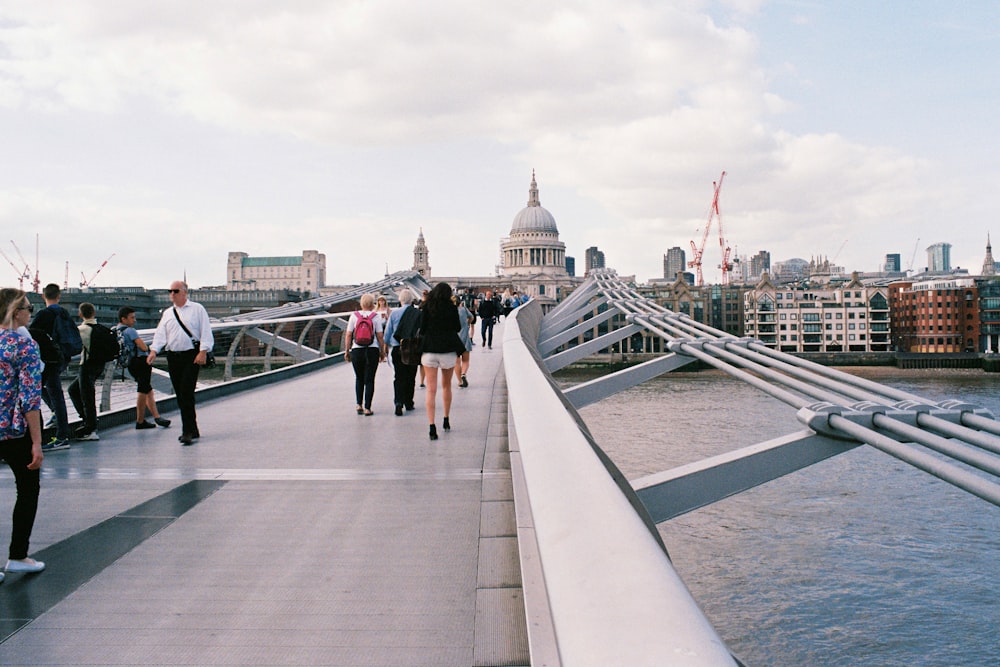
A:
[439, 325]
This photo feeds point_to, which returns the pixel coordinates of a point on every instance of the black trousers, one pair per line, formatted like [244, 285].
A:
[487, 330]
[365, 362]
[83, 393]
[404, 380]
[16, 452]
[184, 378]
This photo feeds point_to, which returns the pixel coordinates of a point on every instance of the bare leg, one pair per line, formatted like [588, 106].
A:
[446, 375]
[431, 378]
[140, 408]
[151, 404]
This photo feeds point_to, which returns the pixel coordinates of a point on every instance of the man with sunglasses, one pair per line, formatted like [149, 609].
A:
[185, 332]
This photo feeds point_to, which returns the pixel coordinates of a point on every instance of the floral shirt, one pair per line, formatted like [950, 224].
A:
[20, 382]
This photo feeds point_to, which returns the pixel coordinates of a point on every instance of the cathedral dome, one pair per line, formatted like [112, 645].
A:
[533, 218]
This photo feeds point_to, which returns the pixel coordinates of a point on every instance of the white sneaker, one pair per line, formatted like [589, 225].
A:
[26, 565]
[89, 436]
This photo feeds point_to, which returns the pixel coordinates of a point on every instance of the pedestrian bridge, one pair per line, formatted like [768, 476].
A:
[296, 532]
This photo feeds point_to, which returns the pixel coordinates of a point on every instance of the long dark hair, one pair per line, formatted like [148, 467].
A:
[438, 300]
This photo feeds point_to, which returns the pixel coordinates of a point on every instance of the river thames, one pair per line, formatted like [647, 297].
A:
[858, 560]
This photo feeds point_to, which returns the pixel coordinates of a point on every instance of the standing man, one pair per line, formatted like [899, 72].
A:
[83, 392]
[403, 321]
[487, 312]
[185, 333]
[54, 319]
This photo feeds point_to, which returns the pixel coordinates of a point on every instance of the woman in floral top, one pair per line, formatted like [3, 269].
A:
[20, 422]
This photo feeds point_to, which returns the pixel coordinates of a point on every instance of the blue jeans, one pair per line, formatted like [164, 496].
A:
[52, 394]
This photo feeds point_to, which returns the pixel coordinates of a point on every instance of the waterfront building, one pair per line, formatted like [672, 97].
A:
[533, 258]
[674, 262]
[939, 258]
[938, 315]
[593, 259]
[305, 273]
[759, 265]
[852, 317]
[718, 306]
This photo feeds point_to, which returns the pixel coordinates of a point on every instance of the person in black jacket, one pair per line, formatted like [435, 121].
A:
[487, 311]
[439, 325]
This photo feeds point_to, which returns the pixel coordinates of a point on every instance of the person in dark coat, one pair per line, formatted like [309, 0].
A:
[439, 325]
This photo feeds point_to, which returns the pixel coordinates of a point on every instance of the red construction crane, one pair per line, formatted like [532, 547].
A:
[87, 283]
[698, 251]
[21, 274]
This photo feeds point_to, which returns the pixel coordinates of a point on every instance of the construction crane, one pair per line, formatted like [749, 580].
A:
[913, 257]
[698, 251]
[87, 283]
[27, 266]
[22, 274]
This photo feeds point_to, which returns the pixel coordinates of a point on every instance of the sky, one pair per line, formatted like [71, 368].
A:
[165, 134]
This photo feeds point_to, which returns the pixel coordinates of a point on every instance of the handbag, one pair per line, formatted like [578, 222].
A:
[410, 350]
[210, 355]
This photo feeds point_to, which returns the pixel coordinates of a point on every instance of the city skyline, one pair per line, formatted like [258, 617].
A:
[169, 134]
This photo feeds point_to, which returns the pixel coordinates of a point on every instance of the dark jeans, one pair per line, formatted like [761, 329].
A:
[84, 395]
[184, 378]
[16, 452]
[52, 394]
[487, 330]
[404, 380]
[365, 362]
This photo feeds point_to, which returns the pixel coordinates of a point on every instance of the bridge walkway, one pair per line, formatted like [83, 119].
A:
[293, 532]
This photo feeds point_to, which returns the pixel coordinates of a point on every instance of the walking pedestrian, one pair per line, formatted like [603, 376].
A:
[55, 322]
[439, 326]
[82, 391]
[466, 319]
[185, 333]
[20, 424]
[403, 323]
[487, 312]
[363, 343]
[136, 350]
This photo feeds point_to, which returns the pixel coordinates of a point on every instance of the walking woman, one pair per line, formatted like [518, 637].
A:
[20, 423]
[439, 325]
[363, 348]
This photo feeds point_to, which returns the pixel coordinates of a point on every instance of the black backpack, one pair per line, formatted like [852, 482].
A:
[103, 345]
[66, 335]
[47, 348]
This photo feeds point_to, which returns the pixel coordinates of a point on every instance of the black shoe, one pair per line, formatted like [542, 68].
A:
[446, 425]
[185, 439]
[160, 421]
[141, 425]
[399, 409]
[464, 382]
[410, 407]
[433, 432]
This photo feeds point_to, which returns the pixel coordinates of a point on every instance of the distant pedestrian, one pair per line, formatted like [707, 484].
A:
[439, 325]
[466, 319]
[487, 311]
[20, 423]
[137, 350]
[185, 333]
[363, 343]
[55, 322]
[383, 309]
[403, 323]
[82, 391]
[423, 300]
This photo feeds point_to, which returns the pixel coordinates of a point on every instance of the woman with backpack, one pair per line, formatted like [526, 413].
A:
[439, 325]
[363, 344]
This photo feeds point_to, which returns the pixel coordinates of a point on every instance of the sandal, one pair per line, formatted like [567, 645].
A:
[361, 410]
[368, 413]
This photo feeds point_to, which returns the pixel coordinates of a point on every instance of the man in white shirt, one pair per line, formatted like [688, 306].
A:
[187, 352]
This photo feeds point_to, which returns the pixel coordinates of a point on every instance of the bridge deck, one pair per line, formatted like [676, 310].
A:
[293, 532]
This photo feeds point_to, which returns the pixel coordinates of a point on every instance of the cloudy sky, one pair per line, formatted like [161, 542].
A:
[169, 133]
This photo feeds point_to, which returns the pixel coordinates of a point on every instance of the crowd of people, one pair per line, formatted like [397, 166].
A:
[433, 338]
[443, 324]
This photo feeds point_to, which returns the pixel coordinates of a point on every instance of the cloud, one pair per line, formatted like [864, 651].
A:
[273, 128]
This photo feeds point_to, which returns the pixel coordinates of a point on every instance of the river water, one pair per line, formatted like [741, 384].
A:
[858, 560]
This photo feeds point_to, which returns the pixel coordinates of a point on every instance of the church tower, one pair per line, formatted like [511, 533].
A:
[989, 266]
[421, 263]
